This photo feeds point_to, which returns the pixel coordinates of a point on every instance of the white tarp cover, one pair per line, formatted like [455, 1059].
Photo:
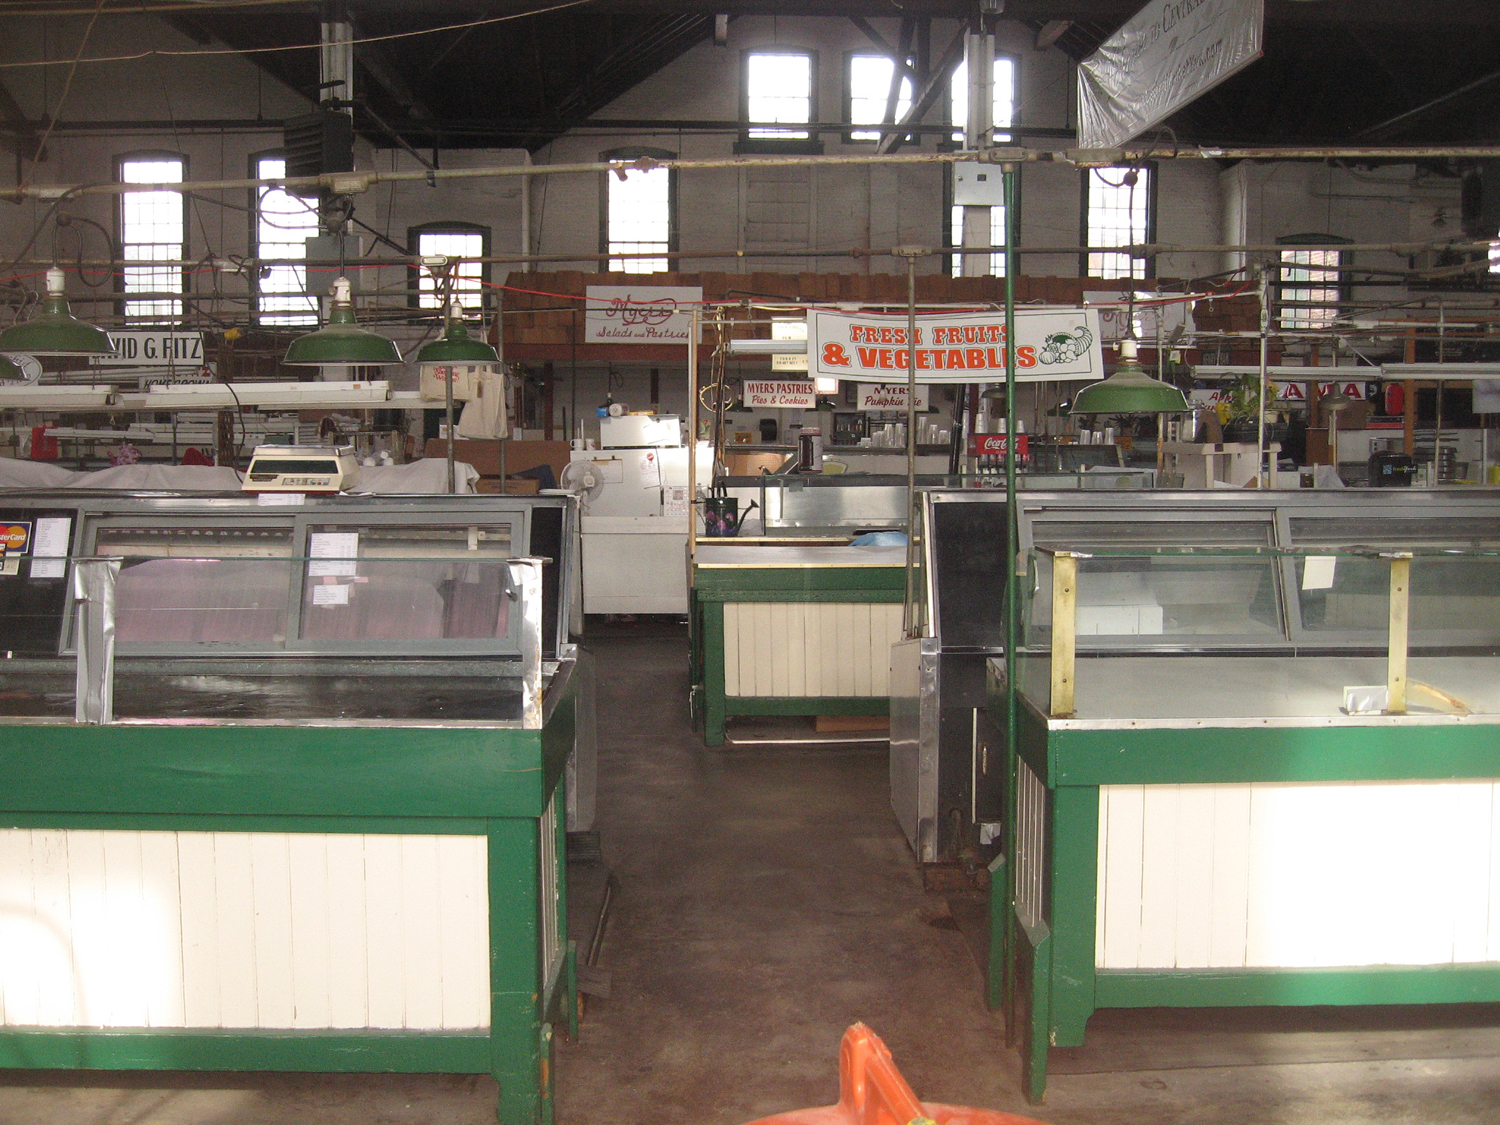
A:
[956, 347]
[1165, 56]
[429, 475]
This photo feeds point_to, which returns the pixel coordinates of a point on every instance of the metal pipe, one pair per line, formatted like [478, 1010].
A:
[1264, 473]
[1013, 559]
[1148, 249]
[692, 382]
[348, 183]
[526, 215]
[911, 625]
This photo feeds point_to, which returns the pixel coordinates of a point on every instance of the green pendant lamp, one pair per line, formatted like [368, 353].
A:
[342, 343]
[54, 330]
[1130, 391]
[457, 348]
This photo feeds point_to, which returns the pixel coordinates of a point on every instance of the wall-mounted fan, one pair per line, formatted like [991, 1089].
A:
[583, 479]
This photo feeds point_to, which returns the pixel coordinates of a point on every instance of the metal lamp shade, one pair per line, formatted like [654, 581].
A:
[1130, 391]
[458, 348]
[343, 343]
[55, 330]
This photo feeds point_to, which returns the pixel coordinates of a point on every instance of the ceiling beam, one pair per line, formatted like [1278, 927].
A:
[19, 134]
[900, 58]
[898, 64]
[386, 74]
[935, 84]
[1394, 125]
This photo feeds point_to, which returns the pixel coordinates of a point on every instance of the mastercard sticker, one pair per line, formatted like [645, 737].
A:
[15, 537]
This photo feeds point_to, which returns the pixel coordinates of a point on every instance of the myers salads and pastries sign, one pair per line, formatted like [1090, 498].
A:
[780, 394]
[964, 347]
[1166, 55]
[644, 314]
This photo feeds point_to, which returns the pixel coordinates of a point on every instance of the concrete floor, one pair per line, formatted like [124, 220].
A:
[767, 900]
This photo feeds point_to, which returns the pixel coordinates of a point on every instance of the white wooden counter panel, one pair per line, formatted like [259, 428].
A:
[1298, 875]
[243, 930]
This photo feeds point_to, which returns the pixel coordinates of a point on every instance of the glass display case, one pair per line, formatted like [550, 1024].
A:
[1246, 591]
[1226, 709]
[319, 760]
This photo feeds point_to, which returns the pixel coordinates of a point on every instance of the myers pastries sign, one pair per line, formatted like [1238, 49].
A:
[782, 394]
[963, 347]
[640, 314]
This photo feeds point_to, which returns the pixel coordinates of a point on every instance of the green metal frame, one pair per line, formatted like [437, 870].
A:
[713, 587]
[1045, 979]
[494, 782]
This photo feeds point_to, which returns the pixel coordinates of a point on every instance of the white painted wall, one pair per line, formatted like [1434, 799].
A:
[844, 208]
[720, 210]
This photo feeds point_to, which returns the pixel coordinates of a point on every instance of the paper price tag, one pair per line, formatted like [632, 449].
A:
[333, 554]
[1318, 571]
[337, 594]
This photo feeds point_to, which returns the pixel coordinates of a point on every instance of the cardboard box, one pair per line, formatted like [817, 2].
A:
[519, 455]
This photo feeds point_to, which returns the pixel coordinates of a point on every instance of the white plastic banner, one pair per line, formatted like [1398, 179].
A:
[639, 314]
[965, 347]
[1156, 317]
[1166, 55]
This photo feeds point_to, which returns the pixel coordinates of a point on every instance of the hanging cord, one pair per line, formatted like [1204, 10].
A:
[67, 87]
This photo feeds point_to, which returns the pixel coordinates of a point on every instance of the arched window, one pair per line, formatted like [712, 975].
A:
[450, 240]
[282, 223]
[1310, 281]
[639, 213]
[152, 227]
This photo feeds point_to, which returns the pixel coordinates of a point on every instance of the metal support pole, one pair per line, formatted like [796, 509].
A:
[692, 380]
[1014, 562]
[526, 212]
[979, 66]
[336, 56]
[1400, 607]
[1263, 476]
[1013, 567]
[911, 624]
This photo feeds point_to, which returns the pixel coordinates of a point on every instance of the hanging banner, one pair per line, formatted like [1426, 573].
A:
[644, 314]
[1155, 319]
[1166, 55]
[780, 394]
[967, 347]
[888, 396]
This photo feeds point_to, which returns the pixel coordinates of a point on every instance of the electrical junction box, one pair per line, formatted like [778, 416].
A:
[978, 185]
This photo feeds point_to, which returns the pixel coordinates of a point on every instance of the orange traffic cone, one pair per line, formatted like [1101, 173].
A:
[872, 1092]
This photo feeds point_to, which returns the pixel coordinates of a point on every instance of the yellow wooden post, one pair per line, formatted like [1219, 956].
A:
[1396, 646]
[1064, 632]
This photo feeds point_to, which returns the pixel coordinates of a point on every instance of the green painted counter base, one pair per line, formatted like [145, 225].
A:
[1043, 975]
[492, 782]
[713, 587]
